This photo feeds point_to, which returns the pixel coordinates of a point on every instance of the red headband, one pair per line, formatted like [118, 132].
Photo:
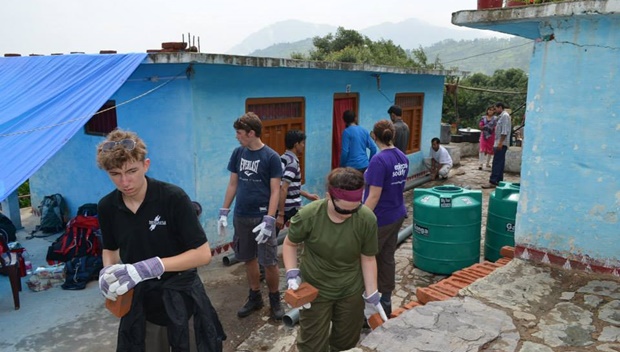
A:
[349, 196]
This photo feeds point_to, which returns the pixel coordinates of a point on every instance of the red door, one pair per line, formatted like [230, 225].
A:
[342, 103]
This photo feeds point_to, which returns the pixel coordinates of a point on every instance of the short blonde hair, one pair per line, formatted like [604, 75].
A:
[119, 155]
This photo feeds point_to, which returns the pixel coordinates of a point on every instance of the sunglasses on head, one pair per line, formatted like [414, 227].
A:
[345, 211]
[128, 144]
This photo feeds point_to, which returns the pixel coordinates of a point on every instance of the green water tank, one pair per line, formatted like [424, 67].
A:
[446, 228]
[501, 219]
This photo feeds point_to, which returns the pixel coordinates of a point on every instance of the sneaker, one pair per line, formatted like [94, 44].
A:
[254, 302]
[489, 185]
[276, 307]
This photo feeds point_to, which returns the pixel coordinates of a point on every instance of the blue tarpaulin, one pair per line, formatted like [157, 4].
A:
[45, 100]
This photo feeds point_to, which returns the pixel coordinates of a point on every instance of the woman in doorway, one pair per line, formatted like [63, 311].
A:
[385, 182]
[487, 137]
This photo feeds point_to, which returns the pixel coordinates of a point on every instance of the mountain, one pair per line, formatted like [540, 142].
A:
[280, 32]
[483, 55]
[413, 33]
[464, 49]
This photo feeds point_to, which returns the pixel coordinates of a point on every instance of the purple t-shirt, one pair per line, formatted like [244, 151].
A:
[388, 170]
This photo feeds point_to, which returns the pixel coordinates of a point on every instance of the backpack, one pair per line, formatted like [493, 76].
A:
[7, 229]
[80, 270]
[52, 210]
[88, 209]
[79, 239]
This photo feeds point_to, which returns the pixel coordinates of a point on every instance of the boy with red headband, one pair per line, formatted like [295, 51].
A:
[340, 242]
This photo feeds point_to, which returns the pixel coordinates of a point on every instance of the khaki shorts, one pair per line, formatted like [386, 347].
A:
[245, 245]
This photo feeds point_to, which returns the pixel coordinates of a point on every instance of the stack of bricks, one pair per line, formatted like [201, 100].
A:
[450, 286]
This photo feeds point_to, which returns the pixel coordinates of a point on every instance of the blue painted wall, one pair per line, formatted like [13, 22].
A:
[570, 179]
[187, 125]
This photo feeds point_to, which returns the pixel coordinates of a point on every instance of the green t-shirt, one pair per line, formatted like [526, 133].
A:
[331, 257]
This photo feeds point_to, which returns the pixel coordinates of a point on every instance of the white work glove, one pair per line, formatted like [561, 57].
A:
[105, 276]
[222, 222]
[374, 306]
[127, 276]
[265, 229]
[293, 279]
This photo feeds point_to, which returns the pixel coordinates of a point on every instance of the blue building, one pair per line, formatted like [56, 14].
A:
[569, 207]
[184, 104]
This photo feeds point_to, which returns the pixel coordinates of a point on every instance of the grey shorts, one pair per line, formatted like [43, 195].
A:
[245, 245]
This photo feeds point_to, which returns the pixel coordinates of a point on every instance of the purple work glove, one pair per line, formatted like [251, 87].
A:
[265, 229]
[127, 277]
[293, 278]
[222, 221]
[105, 278]
[374, 306]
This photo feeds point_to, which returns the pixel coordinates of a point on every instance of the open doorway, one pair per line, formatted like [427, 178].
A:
[342, 103]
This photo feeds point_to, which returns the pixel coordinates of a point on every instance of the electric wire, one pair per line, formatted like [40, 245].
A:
[98, 112]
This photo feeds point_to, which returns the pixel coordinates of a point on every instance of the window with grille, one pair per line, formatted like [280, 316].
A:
[412, 105]
[104, 120]
[276, 108]
[278, 116]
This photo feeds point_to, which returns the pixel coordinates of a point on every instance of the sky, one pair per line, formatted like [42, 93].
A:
[64, 26]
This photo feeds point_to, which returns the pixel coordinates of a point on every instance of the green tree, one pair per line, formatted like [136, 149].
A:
[480, 91]
[350, 46]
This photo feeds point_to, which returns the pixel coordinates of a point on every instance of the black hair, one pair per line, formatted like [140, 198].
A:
[348, 117]
[500, 105]
[396, 110]
[435, 140]
[292, 137]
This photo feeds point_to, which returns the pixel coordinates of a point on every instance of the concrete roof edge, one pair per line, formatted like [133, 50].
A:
[253, 61]
[537, 12]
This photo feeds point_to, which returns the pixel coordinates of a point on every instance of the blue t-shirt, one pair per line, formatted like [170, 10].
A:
[388, 170]
[255, 169]
[355, 141]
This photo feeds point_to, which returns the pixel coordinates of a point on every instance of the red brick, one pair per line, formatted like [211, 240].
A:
[445, 289]
[396, 312]
[503, 261]
[491, 265]
[427, 294]
[465, 276]
[507, 251]
[456, 282]
[306, 293]
[479, 273]
[121, 306]
[375, 321]
[412, 305]
[482, 268]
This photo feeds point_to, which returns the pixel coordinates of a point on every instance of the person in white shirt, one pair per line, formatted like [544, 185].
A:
[441, 162]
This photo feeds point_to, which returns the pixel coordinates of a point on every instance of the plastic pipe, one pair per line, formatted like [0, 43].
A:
[417, 182]
[229, 260]
[291, 318]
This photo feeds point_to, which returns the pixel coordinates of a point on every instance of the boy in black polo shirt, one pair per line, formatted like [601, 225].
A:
[151, 228]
